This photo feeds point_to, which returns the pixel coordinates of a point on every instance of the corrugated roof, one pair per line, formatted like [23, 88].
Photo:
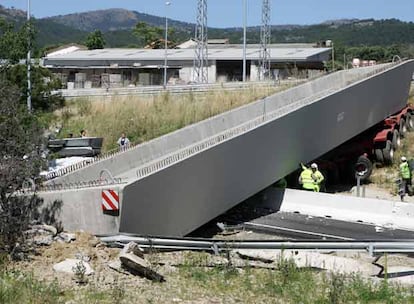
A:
[276, 54]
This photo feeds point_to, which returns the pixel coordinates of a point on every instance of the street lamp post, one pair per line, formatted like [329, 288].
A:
[167, 3]
[329, 43]
[29, 84]
[244, 38]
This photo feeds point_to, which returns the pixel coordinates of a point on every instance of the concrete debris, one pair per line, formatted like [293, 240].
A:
[117, 266]
[139, 266]
[42, 235]
[94, 242]
[317, 260]
[132, 248]
[45, 229]
[43, 240]
[400, 274]
[65, 237]
[83, 257]
[69, 266]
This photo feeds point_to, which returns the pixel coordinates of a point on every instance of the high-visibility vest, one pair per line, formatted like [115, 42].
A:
[307, 180]
[405, 170]
[318, 177]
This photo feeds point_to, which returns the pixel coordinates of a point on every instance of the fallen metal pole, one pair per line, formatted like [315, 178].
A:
[219, 245]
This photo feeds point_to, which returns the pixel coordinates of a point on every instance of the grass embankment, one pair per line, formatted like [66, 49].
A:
[146, 117]
[196, 282]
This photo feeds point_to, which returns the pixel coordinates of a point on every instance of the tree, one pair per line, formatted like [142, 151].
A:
[43, 85]
[14, 45]
[147, 33]
[20, 160]
[95, 40]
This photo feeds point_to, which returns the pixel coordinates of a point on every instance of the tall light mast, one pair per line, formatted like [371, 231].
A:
[265, 36]
[201, 50]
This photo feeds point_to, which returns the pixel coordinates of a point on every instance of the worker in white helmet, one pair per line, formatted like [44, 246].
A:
[405, 173]
[317, 177]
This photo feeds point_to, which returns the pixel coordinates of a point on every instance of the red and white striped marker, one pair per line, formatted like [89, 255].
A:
[110, 200]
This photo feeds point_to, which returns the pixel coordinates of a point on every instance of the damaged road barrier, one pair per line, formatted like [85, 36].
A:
[220, 246]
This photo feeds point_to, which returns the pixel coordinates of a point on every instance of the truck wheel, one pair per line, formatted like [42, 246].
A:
[388, 153]
[403, 127]
[379, 156]
[396, 140]
[363, 168]
[409, 123]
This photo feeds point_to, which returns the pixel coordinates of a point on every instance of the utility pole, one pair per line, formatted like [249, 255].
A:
[167, 3]
[265, 36]
[244, 38]
[29, 58]
[201, 51]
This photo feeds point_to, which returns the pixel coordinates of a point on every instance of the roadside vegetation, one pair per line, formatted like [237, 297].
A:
[198, 280]
[146, 117]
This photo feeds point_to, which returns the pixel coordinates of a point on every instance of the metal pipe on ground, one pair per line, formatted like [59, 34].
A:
[401, 246]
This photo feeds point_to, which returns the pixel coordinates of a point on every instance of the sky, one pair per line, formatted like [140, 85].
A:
[229, 13]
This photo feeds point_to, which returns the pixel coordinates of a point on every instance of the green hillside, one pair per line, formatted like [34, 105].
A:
[117, 24]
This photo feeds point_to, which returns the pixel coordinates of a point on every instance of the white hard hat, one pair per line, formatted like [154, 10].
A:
[403, 158]
[315, 166]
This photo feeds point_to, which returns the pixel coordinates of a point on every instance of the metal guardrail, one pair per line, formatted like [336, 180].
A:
[175, 157]
[70, 186]
[172, 89]
[217, 246]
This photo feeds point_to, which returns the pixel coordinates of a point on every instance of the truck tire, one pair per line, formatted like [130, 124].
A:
[403, 127]
[396, 140]
[409, 122]
[363, 168]
[379, 156]
[388, 153]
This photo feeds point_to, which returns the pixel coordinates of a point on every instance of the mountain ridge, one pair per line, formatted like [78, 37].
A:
[117, 25]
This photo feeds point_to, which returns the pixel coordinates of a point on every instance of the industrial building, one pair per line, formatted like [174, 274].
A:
[112, 68]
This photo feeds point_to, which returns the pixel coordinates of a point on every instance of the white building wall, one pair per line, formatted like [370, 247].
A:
[212, 72]
[187, 73]
[254, 71]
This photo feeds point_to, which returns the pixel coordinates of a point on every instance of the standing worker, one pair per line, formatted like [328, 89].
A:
[405, 174]
[123, 142]
[311, 179]
[317, 177]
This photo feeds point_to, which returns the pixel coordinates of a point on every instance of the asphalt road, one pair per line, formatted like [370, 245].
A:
[299, 226]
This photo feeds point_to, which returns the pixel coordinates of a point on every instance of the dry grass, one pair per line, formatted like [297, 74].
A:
[198, 278]
[145, 117]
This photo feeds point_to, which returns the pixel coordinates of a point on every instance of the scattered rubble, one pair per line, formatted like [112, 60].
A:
[132, 269]
[136, 265]
[45, 235]
[132, 248]
[70, 266]
[131, 260]
[306, 259]
[65, 237]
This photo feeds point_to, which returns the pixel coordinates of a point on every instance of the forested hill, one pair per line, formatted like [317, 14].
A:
[117, 24]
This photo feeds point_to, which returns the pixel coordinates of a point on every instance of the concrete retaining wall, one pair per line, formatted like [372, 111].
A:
[81, 209]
